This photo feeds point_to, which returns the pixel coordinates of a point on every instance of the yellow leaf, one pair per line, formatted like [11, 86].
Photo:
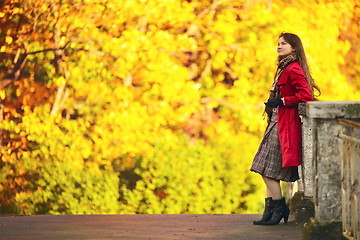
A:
[44, 8]
[62, 41]
[17, 11]
[2, 94]
[8, 40]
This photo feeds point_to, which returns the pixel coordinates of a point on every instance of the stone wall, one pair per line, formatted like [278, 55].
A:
[321, 166]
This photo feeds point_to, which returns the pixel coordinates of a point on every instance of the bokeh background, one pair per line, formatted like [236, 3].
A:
[152, 106]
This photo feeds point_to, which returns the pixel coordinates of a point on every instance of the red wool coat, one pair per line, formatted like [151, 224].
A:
[294, 89]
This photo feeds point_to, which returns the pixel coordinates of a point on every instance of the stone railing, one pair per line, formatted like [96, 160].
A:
[321, 166]
[350, 176]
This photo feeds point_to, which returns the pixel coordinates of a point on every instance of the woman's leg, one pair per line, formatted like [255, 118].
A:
[271, 192]
[273, 188]
[268, 193]
[280, 209]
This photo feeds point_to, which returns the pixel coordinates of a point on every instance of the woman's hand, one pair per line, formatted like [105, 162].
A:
[274, 103]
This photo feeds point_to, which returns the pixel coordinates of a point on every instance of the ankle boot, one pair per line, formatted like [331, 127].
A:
[269, 208]
[281, 211]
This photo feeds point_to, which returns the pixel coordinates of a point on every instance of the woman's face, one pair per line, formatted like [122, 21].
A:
[284, 48]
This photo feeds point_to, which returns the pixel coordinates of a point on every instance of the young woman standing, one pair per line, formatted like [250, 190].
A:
[279, 153]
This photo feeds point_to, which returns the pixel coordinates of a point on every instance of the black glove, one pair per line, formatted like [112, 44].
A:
[274, 103]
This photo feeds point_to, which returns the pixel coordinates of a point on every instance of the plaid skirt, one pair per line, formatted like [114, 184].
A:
[268, 159]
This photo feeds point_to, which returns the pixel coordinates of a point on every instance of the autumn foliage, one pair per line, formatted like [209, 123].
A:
[151, 106]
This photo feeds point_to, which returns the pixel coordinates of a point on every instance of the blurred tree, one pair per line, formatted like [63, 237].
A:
[150, 106]
[350, 33]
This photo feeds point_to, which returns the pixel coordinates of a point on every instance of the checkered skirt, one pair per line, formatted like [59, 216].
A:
[268, 159]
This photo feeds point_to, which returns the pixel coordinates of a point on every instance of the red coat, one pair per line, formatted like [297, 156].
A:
[294, 89]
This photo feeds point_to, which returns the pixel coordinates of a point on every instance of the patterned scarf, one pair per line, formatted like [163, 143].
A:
[274, 91]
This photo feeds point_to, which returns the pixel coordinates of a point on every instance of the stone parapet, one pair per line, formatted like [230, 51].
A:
[321, 166]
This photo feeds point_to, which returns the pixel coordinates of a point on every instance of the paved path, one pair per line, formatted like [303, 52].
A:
[139, 227]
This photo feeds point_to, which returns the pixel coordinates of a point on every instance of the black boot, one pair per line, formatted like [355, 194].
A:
[281, 211]
[269, 208]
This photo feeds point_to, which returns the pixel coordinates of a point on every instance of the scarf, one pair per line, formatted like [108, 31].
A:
[274, 91]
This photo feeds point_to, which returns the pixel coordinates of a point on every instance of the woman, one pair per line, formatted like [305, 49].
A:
[279, 153]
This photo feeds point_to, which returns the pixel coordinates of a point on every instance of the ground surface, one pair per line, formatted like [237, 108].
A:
[169, 227]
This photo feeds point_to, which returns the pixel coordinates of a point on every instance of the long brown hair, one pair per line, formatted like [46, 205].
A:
[296, 44]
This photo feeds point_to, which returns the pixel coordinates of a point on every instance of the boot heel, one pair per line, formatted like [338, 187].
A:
[286, 217]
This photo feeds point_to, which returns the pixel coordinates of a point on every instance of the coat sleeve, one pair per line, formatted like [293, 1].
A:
[298, 81]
